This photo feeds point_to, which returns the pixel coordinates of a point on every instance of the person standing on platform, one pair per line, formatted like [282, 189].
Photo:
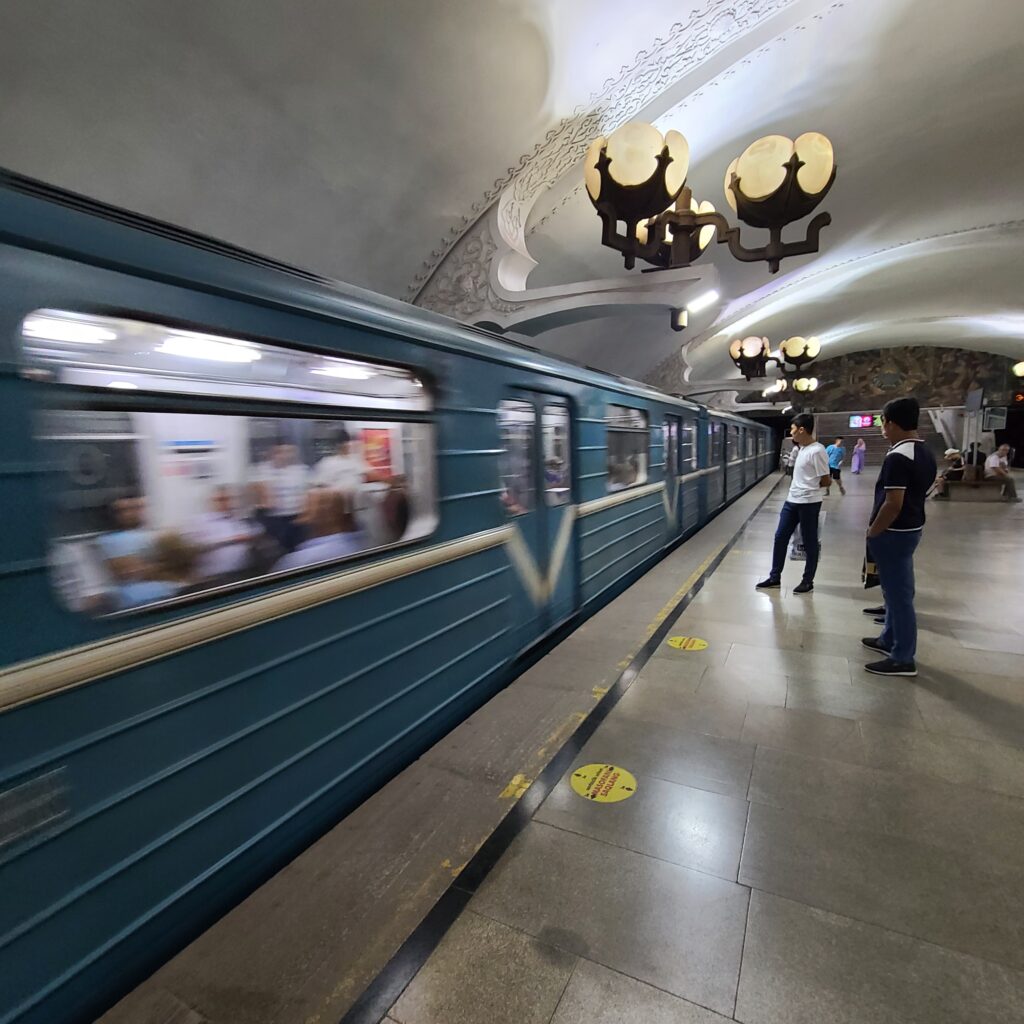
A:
[810, 478]
[836, 453]
[860, 450]
[897, 521]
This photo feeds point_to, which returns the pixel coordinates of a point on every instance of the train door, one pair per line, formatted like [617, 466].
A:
[671, 430]
[715, 489]
[536, 490]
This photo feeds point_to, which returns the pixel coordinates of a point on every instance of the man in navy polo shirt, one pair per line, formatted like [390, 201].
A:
[897, 520]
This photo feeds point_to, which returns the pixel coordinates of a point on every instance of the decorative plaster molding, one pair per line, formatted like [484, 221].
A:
[687, 45]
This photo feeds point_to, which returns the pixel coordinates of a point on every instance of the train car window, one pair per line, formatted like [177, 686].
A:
[731, 443]
[154, 506]
[749, 442]
[670, 432]
[557, 464]
[688, 445]
[717, 432]
[516, 422]
[628, 442]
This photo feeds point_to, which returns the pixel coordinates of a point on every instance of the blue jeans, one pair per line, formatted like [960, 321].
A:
[807, 518]
[894, 559]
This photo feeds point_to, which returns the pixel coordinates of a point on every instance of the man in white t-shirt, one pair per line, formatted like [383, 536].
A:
[282, 483]
[810, 479]
[997, 467]
[343, 471]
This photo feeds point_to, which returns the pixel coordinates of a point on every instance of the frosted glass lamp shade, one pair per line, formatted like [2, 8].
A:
[729, 197]
[633, 152]
[806, 384]
[736, 349]
[752, 347]
[815, 151]
[793, 348]
[761, 167]
[707, 233]
[679, 151]
[813, 348]
[1018, 369]
[591, 176]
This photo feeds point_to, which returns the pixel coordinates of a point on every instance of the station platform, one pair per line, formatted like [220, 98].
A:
[698, 808]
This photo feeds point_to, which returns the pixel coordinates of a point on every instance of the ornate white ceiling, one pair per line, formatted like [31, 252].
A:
[432, 151]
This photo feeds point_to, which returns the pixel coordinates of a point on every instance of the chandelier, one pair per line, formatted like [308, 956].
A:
[636, 177]
[753, 354]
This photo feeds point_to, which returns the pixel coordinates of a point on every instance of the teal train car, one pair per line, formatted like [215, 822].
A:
[266, 539]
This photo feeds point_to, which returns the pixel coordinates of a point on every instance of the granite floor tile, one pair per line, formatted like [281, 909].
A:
[662, 819]
[899, 883]
[664, 705]
[802, 965]
[857, 700]
[743, 684]
[988, 826]
[678, 676]
[797, 664]
[596, 995]
[674, 928]
[484, 972]
[992, 766]
[803, 732]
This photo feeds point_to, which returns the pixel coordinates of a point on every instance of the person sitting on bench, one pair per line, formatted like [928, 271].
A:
[954, 471]
[997, 467]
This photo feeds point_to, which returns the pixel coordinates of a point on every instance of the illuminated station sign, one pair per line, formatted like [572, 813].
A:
[859, 421]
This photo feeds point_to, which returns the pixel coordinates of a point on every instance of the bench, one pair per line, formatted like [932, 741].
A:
[975, 490]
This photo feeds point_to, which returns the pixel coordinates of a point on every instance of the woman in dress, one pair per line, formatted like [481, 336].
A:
[859, 451]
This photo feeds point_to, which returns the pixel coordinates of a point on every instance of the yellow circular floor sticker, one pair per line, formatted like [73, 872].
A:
[687, 643]
[604, 783]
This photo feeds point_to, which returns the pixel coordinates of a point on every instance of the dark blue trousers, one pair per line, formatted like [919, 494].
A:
[893, 553]
[791, 516]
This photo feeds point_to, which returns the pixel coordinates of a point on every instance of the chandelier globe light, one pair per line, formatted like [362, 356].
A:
[637, 177]
[750, 355]
[1018, 369]
[799, 351]
[806, 384]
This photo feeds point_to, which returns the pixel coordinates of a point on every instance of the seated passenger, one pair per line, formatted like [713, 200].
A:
[126, 548]
[997, 467]
[223, 538]
[331, 528]
[954, 470]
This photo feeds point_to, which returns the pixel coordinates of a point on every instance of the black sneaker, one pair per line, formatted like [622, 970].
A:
[891, 668]
[873, 644]
[771, 583]
[804, 587]
[880, 610]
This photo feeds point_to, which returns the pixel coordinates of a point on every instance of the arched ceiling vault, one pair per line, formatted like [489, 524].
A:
[433, 151]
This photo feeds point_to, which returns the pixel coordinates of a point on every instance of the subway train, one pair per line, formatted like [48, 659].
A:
[266, 539]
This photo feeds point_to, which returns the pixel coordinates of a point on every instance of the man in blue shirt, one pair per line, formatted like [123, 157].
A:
[897, 520]
[836, 453]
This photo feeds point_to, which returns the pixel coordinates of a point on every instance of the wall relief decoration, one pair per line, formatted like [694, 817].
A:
[935, 376]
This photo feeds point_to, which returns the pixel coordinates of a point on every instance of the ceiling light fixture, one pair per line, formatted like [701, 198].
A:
[77, 332]
[203, 346]
[637, 177]
[344, 371]
[123, 385]
[702, 302]
[753, 354]
[1018, 369]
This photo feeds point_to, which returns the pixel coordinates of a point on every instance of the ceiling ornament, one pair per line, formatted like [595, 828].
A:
[687, 45]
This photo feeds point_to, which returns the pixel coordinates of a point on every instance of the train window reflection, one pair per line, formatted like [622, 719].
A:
[516, 420]
[627, 447]
[557, 465]
[670, 435]
[688, 445]
[154, 506]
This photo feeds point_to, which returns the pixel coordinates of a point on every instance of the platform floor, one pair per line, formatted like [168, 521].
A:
[807, 843]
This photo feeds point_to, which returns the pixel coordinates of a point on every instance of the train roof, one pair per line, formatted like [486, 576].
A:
[37, 214]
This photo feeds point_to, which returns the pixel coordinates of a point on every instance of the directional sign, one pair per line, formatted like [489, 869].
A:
[687, 643]
[603, 783]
